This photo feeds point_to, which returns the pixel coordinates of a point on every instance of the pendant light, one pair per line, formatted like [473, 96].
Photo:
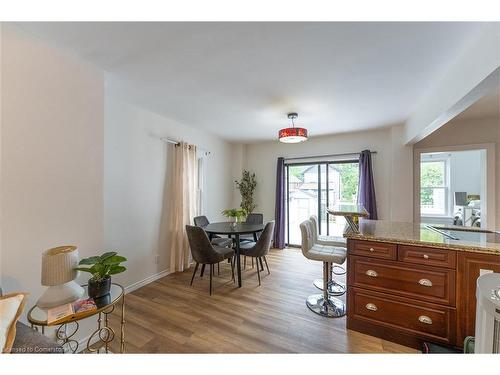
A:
[293, 134]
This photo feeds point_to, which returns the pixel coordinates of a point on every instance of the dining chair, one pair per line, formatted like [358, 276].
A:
[204, 252]
[251, 219]
[259, 249]
[202, 221]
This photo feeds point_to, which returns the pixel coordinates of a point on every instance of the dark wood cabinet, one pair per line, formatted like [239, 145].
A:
[469, 267]
[408, 293]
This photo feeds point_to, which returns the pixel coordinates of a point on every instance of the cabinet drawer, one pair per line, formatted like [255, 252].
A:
[413, 317]
[427, 256]
[425, 283]
[374, 249]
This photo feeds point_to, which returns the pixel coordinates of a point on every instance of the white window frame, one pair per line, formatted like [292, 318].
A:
[447, 197]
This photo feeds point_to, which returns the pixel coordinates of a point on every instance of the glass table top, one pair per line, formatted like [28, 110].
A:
[38, 316]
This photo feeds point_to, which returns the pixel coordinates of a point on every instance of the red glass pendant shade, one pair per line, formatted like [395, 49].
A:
[293, 134]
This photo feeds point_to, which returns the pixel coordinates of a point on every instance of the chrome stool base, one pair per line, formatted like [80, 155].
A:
[335, 288]
[341, 270]
[331, 308]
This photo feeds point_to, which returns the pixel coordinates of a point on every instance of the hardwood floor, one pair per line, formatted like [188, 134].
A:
[169, 316]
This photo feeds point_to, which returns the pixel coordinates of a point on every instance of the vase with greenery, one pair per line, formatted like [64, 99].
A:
[101, 268]
[247, 186]
[234, 214]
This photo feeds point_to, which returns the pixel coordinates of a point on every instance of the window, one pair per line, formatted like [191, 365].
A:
[311, 188]
[434, 187]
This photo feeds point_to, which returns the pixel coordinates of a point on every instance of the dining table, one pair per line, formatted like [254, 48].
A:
[236, 230]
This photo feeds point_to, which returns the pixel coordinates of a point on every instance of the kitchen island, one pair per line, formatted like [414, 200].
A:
[410, 283]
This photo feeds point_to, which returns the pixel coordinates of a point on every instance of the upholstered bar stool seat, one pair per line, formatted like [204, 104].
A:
[337, 269]
[323, 304]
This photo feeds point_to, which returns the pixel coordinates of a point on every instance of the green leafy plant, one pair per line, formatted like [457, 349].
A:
[247, 186]
[103, 266]
[234, 212]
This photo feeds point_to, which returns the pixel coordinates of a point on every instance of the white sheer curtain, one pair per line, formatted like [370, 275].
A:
[184, 204]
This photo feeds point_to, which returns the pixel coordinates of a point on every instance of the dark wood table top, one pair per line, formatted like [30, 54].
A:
[229, 228]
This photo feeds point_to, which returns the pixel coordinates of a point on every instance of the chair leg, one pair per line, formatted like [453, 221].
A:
[202, 270]
[261, 265]
[252, 262]
[218, 269]
[244, 262]
[211, 272]
[265, 261]
[233, 261]
[258, 272]
[194, 273]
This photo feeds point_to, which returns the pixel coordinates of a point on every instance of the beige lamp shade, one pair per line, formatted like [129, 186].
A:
[58, 265]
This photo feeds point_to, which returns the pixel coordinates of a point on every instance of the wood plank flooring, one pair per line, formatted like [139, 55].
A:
[169, 316]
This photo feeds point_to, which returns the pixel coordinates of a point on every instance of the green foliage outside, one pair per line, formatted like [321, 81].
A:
[349, 176]
[431, 175]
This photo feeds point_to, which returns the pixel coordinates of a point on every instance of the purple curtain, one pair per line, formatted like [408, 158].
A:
[279, 213]
[366, 187]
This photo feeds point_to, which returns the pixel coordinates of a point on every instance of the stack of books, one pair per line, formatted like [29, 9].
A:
[71, 311]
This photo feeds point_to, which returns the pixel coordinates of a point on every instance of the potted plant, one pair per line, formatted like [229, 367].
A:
[101, 268]
[247, 186]
[234, 214]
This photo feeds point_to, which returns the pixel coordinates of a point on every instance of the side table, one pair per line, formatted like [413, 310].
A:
[68, 328]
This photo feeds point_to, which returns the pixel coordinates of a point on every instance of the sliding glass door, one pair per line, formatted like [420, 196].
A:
[311, 188]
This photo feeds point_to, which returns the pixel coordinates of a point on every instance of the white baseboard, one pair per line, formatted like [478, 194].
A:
[82, 343]
[146, 281]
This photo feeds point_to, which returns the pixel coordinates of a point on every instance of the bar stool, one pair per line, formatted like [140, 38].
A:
[322, 304]
[335, 288]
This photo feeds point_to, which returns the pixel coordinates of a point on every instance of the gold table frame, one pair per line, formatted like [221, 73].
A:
[104, 332]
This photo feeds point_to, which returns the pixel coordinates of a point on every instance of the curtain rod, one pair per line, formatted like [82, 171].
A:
[328, 156]
[178, 143]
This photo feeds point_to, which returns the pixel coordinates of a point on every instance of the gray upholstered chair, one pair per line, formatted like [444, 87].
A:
[202, 221]
[251, 219]
[259, 249]
[322, 304]
[336, 287]
[204, 252]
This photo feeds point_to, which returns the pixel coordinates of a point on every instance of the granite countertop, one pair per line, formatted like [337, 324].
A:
[420, 234]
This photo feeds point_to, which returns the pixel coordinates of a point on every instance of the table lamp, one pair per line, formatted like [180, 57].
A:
[58, 274]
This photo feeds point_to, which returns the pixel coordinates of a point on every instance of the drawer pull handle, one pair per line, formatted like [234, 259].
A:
[371, 307]
[372, 249]
[425, 282]
[371, 273]
[425, 319]
[426, 256]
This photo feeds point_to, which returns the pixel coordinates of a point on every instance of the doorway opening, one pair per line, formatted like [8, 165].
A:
[452, 188]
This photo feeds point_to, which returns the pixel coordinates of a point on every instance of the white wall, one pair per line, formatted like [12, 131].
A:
[471, 131]
[51, 157]
[392, 167]
[137, 169]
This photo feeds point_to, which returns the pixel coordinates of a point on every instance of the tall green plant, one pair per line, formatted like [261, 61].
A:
[247, 186]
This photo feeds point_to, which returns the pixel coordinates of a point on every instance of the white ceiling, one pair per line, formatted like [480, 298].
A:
[238, 80]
